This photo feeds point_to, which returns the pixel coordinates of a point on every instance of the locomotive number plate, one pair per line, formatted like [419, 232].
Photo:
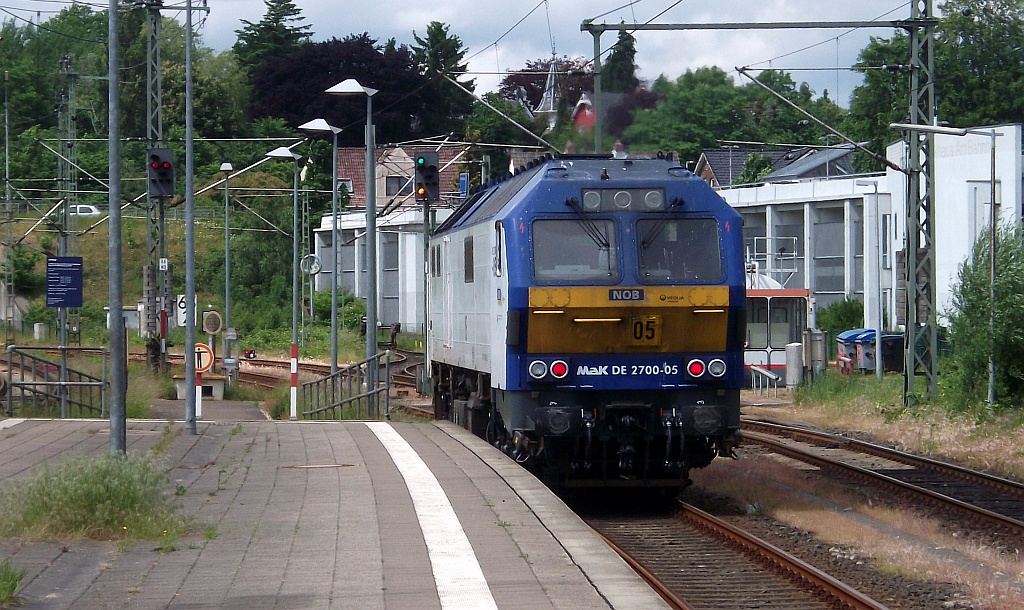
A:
[645, 330]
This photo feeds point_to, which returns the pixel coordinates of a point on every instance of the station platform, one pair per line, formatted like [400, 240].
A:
[297, 515]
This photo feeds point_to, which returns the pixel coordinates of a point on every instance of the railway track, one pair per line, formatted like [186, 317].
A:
[697, 561]
[978, 497]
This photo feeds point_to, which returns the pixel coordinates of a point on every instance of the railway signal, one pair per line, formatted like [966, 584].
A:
[160, 172]
[428, 187]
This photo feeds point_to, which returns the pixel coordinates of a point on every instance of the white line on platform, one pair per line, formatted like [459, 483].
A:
[460, 580]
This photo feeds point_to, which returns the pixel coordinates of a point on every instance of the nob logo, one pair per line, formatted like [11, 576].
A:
[626, 295]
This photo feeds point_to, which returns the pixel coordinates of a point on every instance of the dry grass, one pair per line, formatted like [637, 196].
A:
[995, 445]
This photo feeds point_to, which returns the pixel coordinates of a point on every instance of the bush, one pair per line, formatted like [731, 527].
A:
[970, 326]
[838, 317]
[99, 498]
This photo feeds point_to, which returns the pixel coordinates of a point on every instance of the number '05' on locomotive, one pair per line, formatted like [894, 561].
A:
[586, 316]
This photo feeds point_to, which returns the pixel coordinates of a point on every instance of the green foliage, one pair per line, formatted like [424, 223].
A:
[26, 278]
[272, 36]
[101, 498]
[620, 69]
[970, 325]
[10, 580]
[443, 53]
[832, 389]
[755, 167]
[838, 317]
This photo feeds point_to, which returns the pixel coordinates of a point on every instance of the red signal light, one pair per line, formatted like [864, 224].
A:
[559, 369]
[695, 368]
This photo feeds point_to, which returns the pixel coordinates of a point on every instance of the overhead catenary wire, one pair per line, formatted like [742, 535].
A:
[745, 72]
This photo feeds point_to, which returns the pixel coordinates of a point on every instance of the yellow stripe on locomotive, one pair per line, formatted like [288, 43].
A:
[649, 319]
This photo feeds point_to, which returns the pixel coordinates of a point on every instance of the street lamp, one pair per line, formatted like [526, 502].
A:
[322, 126]
[351, 86]
[878, 284]
[992, 134]
[283, 152]
[227, 168]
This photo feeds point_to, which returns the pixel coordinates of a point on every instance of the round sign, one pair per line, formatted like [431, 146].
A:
[204, 357]
[310, 264]
[212, 322]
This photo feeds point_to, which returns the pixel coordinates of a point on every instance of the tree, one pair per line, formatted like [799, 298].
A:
[620, 115]
[273, 36]
[700, 108]
[882, 99]
[970, 329]
[292, 88]
[485, 125]
[756, 166]
[442, 54]
[980, 60]
[619, 74]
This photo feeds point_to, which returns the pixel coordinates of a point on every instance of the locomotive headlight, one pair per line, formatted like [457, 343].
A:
[592, 201]
[716, 367]
[538, 369]
[559, 369]
[654, 200]
[622, 199]
[695, 368]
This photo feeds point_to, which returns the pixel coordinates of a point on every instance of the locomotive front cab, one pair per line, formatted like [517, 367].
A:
[628, 357]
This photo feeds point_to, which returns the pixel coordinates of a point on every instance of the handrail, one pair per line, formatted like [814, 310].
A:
[762, 380]
[344, 395]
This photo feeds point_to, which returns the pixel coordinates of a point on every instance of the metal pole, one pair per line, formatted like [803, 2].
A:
[293, 397]
[227, 278]
[334, 248]
[190, 257]
[371, 258]
[118, 349]
[992, 281]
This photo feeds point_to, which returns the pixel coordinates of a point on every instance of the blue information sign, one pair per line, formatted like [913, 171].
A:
[64, 281]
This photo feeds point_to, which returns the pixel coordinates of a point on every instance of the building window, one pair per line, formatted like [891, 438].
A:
[398, 185]
[346, 184]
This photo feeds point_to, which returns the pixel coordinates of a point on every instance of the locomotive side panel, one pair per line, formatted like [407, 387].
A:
[460, 328]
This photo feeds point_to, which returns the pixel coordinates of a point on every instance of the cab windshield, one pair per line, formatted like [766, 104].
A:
[575, 251]
[679, 250]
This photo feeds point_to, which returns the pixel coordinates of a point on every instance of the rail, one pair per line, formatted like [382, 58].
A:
[345, 395]
[38, 387]
[762, 380]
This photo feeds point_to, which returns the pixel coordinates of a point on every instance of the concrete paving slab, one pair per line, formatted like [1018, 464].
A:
[315, 515]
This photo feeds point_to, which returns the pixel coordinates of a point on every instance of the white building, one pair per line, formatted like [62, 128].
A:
[838, 237]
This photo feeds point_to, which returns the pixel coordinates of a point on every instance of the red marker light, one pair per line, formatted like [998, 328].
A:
[695, 368]
[559, 369]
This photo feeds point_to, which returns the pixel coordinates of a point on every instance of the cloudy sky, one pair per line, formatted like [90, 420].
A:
[502, 35]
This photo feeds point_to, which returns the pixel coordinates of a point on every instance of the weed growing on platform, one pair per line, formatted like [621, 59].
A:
[279, 402]
[100, 498]
[10, 580]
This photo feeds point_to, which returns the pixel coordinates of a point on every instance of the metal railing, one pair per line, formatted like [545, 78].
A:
[345, 395]
[763, 380]
[38, 387]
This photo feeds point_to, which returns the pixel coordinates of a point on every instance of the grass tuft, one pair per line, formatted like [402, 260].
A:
[105, 498]
[10, 580]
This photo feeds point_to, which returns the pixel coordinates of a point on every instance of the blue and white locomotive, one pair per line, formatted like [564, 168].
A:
[586, 315]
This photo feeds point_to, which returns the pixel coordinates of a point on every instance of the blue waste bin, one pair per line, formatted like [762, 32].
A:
[865, 349]
[846, 360]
